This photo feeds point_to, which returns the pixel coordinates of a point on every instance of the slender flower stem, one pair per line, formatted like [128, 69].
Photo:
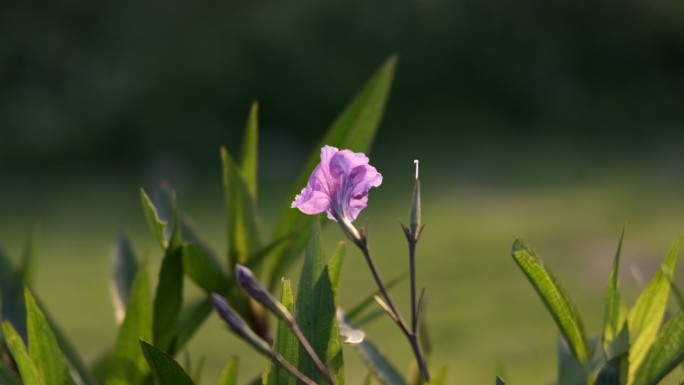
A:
[411, 335]
[309, 350]
[412, 271]
[278, 359]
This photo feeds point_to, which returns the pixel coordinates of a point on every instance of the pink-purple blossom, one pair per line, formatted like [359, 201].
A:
[338, 185]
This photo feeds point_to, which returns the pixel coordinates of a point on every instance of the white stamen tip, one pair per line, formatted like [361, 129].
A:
[416, 162]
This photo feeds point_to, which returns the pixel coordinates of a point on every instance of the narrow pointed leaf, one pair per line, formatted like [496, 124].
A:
[285, 342]
[75, 361]
[43, 347]
[127, 365]
[204, 271]
[666, 353]
[381, 367]
[124, 268]
[229, 374]
[155, 224]
[500, 381]
[354, 129]
[27, 367]
[316, 311]
[555, 300]
[249, 151]
[645, 317]
[168, 300]
[615, 313]
[335, 356]
[243, 230]
[166, 370]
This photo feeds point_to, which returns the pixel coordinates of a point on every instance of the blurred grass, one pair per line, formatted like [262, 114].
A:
[484, 317]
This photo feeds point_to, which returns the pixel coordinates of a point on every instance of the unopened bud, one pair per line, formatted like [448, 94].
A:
[414, 215]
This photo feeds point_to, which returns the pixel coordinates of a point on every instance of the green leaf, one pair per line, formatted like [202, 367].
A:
[645, 318]
[556, 301]
[316, 311]
[666, 353]
[377, 362]
[615, 339]
[285, 343]
[124, 268]
[203, 270]
[243, 230]
[191, 318]
[336, 359]
[165, 369]
[500, 381]
[127, 365]
[154, 222]
[27, 367]
[229, 374]
[249, 151]
[168, 300]
[70, 353]
[354, 129]
[43, 347]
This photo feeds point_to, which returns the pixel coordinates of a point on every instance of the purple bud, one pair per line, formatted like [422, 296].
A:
[227, 313]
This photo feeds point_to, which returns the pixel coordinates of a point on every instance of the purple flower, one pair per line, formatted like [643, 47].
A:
[338, 185]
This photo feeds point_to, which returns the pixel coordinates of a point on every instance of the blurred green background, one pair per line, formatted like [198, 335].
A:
[555, 121]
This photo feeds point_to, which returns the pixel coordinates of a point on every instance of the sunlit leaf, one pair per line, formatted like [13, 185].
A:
[316, 311]
[127, 365]
[154, 222]
[354, 129]
[43, 347]
[615, 339]
[165, 369]
[27, 367]
[666, 353]
[285, 342]
[556, 301]
[645, 317]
